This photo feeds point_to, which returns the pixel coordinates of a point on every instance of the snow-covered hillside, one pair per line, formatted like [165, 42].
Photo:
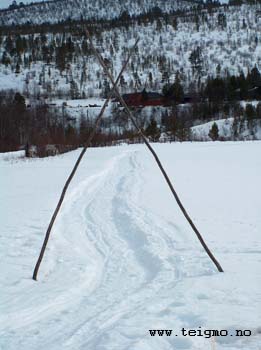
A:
[121, 259]
[225, 41]
[62, 10]
[228, 129]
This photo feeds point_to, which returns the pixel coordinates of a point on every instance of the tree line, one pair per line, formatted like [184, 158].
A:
[22, 125]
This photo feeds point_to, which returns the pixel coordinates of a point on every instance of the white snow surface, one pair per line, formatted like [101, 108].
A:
[201, 132]
[121, 259]
[225, 130]
[89, 107]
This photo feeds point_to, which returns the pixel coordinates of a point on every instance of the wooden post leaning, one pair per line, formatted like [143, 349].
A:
[86, 145]
[128, 111]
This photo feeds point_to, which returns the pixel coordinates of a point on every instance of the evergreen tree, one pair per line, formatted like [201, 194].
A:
[19, 102]
[258, 110]
[222, 21]
[254, 77]
[19, 43]
[61, 58]
[196, 60]
[174, 91]
[144, 95]
[250, 111]
[74, 90]
[150, 79]
[106, 88]
[235, 128]
[9, 44]
[214, 132]
[178, 92]
[17, 68]
[6, 59]
[152, 130]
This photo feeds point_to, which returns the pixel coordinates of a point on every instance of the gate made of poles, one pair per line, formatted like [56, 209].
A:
[115, 91]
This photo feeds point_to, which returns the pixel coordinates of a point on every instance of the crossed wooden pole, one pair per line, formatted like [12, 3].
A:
[116, 91]
[128, 111]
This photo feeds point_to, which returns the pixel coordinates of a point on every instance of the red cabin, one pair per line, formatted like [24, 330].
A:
[143, 99]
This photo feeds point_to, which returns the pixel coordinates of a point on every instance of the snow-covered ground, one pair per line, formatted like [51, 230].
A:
[226, 130]
[89, 107]
[201, 132]
[121, 259]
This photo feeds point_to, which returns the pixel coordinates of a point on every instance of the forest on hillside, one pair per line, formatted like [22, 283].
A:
[205, 61]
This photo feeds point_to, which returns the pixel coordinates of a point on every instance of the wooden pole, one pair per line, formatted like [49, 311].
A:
[87, 144]
[128, 111]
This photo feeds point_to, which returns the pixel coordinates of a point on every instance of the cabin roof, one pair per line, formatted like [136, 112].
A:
[149, 94]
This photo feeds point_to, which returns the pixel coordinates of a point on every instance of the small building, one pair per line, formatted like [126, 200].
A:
[143, 99]
[154, 99]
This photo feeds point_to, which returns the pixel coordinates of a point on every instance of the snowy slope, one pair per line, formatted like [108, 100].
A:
[201, 132]
[226, 130]
[121, 259]
[231, 49]
[62, 10]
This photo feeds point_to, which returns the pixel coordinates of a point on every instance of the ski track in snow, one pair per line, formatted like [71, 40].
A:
[126, 270]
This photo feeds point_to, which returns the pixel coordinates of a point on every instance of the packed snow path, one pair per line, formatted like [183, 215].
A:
[121, 259]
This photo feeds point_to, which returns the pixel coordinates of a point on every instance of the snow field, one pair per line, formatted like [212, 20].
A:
[121, 259]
